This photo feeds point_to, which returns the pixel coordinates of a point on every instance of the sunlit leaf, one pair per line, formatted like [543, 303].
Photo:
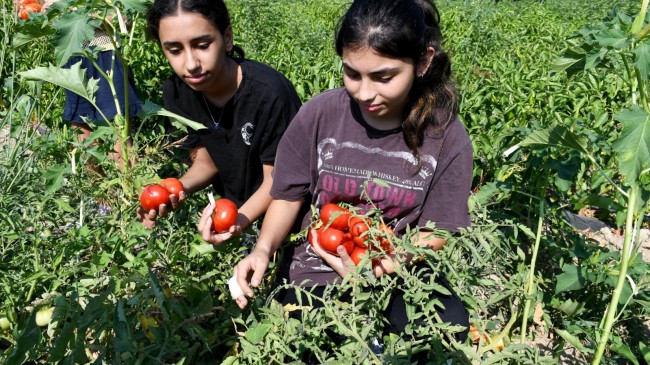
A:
[150, 109]
[72, 30]
[139, 6]
[54, 177]
[256, 334]
[633, 145]
[558, 136]
[574, 341]
[72, 79]
[615, 38]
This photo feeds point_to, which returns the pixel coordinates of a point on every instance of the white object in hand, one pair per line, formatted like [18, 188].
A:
[235, 290]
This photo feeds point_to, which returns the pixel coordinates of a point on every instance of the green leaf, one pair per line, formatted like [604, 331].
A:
[645, 351]
[615, 38]
[150, 109]
[633, 145]
[256, 334]
[54, 178]
[30, 31]
[574, 341]
[73, 79]
[570, 279]
[642, 60]
[72, 30]
[558, 136]
[139, 6]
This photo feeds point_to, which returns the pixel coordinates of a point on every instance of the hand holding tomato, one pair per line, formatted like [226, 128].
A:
[160, 199]
[340, 261]
[218, 223]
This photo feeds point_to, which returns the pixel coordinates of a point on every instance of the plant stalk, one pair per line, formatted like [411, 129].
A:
[531, 274]
[610, 313]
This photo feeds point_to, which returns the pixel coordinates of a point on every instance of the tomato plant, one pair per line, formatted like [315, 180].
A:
[25, 9]
[224, 215]
[44, 316]
[153, 196]
[173, 185]
[336, 216]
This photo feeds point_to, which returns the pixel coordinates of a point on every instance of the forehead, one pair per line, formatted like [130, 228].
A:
[367, 59]
[184, 26]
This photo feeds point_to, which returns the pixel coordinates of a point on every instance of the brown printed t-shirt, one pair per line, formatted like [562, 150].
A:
[330, 153]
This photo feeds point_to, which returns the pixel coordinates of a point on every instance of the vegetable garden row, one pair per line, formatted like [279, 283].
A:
[556, 98]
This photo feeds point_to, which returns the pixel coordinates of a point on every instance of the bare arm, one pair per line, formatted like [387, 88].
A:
[277, 223]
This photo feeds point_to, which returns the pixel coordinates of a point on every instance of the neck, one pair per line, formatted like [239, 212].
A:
[227, 86]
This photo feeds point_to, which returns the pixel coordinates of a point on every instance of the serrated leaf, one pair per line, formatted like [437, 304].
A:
[54, 178]
[72, 30]
[30, 31]
[73, 79]
[633, 145]
[256, 334]
[150, 109]
[558, 136]
[642, 60]
[615, 38]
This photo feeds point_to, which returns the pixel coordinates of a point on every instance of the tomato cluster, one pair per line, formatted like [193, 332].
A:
[155, 194]
[338, 226]
[224, 215]
[27, 6]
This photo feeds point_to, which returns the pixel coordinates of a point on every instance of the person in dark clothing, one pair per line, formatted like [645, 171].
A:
[245, 106]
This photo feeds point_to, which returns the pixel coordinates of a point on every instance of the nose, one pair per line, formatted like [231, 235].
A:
[192, 63]
[366, 90]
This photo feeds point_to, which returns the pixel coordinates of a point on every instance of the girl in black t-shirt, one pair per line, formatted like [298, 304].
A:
[244, 105]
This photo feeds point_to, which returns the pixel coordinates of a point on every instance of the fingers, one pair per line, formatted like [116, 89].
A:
[206, 218]
[345, 258]
[243, 282]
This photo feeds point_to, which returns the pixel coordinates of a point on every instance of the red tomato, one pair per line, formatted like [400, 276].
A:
[357, 255]
[338, 216]
[173, 185]
[152, 196]
[224, 215]
[25, 9]
[330, 238]
[358, 227]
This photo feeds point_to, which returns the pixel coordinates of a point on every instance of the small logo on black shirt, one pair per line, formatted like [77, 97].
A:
[247, 133]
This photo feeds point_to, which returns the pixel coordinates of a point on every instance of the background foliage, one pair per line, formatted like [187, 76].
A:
[123, 294]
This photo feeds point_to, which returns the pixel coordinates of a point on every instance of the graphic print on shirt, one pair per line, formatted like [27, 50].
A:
[247, 133]
[342, 178]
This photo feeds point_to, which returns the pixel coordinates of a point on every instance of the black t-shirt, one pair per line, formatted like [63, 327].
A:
[249, 125]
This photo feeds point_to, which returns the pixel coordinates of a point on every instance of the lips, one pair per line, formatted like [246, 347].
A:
[371, 107]
[196, 79]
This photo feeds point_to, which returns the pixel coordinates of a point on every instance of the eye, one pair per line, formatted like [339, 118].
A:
[351, 75]
[205, 45]
[173, 51]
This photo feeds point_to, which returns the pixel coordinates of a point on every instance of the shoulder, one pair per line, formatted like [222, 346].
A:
[264, 81]
[329, 101]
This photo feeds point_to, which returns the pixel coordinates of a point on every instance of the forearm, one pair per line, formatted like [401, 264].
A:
[258, 203]
[278, 221]
[201, 173]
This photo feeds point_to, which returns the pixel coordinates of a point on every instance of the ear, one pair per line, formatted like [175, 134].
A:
[425, 62]
[228, 39]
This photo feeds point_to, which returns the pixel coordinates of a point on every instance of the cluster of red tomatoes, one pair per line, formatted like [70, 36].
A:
[338, 226]
[27, 6]
[155, 194]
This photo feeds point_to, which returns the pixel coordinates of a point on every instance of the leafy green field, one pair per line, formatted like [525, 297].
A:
[554, 95]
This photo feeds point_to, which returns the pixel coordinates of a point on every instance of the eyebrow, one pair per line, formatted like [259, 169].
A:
[201, 38]
[381, 71]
